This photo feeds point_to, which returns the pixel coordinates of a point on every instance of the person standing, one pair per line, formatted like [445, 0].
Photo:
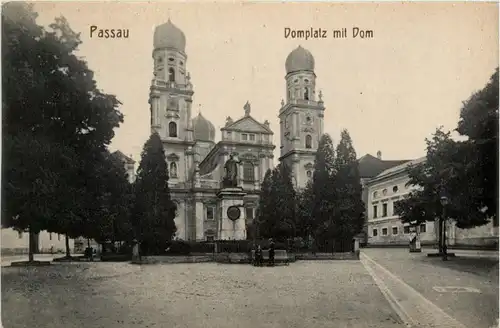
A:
[258, 255]
[271, 252]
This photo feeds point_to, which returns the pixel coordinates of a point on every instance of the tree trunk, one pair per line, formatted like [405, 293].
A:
[68, 253]
[440, 236]
[31, 246]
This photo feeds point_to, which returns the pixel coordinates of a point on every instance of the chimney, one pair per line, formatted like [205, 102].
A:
[379, 154]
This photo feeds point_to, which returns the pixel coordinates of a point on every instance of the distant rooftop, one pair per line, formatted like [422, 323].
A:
[126, 159]
[371, 166]
[402, 167]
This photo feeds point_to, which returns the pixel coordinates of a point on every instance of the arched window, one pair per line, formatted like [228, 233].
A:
[306, 93]
[172, 129]
[308, 141]
[173, 170]
[248, 172]
[309, 174]
[171, 74]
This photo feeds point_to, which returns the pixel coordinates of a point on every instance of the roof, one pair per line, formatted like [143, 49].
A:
[402, 167]
[248, 124]
[370, 166]
[123, 157]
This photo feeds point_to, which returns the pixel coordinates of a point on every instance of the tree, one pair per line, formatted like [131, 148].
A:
[154, 210]
[31, 184]
[323, 190]
[479, 122]
[276, 212]
[349, 208]
[265, 210]
[51, 102]
[305, 223]
[285, 202]
[443, 171]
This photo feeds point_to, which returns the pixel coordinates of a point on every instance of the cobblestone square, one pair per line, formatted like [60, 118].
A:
[304, 294]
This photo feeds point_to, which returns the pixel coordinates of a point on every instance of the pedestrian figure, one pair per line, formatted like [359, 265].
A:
[258, 255]
[271, 252]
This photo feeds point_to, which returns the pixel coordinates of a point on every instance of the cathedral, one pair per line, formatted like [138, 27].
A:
[207, 209]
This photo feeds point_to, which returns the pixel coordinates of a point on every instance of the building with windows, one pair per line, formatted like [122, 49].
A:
[384, 227]
[17, 242]
[128, 163]
[196, 160]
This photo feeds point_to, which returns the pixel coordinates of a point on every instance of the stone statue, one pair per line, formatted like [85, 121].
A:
[247, 109]
[231, 176]
[320, 95]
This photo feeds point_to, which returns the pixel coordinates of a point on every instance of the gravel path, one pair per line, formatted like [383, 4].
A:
[305, 294]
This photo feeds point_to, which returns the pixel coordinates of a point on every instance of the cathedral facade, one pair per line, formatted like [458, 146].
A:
[206, 210]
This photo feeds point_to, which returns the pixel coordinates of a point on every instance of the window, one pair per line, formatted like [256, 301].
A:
[375, 194]
[229, 134]
[306, 94]
[20, 234]
[171, 59]
[423, 227]
[249, 213]
[395, 206]
[58, 237]
[210, 213]
[395, 189]
[248, 172]
[384, 210]
[394, 230]
[171, 74]
[308, 141]
[384, 231]
[306, 81]
[172, 129]
[406, 229]
[173, 170]
[375, 214]
[309, 174]
[375, 232]
[244, 136]
[181, 63]
[252, 137]
[50, 235]
[210, 238]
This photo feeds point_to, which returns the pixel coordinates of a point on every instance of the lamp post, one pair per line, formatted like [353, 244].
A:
[444, 202]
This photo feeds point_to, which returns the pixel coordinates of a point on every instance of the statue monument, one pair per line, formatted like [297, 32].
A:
[231, 173]
[232, 217]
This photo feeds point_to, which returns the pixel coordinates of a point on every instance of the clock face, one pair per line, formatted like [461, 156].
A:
[233, 213]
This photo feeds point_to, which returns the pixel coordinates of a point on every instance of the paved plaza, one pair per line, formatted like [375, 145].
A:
[375, 292]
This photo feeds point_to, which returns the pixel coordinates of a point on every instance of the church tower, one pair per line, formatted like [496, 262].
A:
[301, 116]
[170, 100]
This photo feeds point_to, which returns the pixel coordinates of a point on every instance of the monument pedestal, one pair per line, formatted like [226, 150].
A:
[231, 225]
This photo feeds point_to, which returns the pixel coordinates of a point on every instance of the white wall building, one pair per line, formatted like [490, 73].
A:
[14, 242]
[385, 227]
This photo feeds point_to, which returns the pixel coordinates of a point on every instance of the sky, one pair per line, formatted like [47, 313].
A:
[390, 91]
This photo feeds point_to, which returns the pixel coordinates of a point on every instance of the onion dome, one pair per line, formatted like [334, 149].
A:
[169, 36]
[299, 59]
[204, 130]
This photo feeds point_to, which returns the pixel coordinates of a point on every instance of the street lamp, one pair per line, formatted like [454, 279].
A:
[444, 202]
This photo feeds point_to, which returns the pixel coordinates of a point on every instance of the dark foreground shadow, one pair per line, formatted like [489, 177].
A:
[475, 265]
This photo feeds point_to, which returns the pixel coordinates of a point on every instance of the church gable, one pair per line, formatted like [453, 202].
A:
[247, 124]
